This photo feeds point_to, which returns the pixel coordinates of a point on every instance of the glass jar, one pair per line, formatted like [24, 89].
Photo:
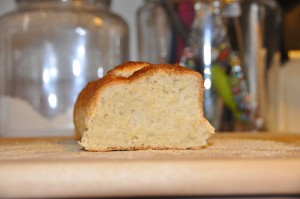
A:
[235, 45]
[261, 25]
[49, 50]
[154, 32]
[227, 103]
[163, 29]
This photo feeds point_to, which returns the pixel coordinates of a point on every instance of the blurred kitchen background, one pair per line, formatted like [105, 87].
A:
[246, 51]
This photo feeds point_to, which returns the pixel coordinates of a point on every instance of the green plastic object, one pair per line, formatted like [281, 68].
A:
[221, 84]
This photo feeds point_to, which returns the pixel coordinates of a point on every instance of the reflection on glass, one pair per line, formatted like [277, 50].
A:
[80, 31]
[52, 99]
[100, 72]
[76, 67]
[207, 83]
[81, 50]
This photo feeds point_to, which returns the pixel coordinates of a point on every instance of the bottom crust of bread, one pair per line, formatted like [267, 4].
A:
[137, 148]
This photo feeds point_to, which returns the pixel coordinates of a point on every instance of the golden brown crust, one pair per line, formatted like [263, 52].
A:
[172, 68]
[128, 67]
[88, 98]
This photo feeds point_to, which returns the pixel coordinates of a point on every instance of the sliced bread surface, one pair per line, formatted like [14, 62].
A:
[139, 105]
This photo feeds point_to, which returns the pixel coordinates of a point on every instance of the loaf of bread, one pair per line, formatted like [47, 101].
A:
[139, 105]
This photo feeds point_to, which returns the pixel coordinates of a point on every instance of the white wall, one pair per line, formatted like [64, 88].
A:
[125, 8]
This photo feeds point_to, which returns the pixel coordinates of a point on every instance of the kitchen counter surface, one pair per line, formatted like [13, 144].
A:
[231, 164]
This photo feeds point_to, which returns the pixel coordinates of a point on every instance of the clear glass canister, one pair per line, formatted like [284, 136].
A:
[49, 50]
[235, 45]
[261, 25]
[210, 51]
[154, 32]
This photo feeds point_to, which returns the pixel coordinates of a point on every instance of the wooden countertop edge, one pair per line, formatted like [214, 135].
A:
[149, 178]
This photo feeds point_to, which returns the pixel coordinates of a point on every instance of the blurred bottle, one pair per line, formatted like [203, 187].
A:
[49, 50]
[261, 26]
[154, 32]
[227, 103]
[163, 28]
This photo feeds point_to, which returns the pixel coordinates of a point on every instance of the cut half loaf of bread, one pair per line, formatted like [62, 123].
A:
[138, 105]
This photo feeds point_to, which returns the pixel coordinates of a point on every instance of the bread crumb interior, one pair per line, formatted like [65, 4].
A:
[161, 110]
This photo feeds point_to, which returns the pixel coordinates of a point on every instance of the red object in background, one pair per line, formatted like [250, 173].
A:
[224, 54]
